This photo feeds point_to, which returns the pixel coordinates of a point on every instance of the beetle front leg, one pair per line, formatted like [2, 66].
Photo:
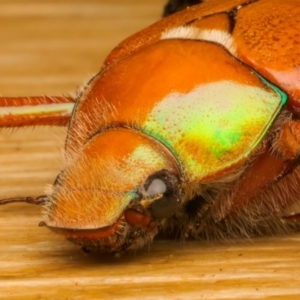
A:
[36, 110]
[265, 170]
[278, 158]
[287, 144]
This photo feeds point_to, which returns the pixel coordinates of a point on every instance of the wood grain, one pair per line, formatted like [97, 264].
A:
[53, 47]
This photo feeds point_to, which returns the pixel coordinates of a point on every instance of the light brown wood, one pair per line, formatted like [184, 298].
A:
[52, 48]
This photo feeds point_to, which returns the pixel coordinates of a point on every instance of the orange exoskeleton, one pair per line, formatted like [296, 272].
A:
[191, 125]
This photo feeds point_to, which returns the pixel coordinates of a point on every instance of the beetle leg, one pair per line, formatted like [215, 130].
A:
[266, 169]
[31, 111]
[272, 164]
[287, 145]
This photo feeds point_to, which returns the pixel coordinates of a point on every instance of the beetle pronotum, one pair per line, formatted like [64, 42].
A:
[190, 125]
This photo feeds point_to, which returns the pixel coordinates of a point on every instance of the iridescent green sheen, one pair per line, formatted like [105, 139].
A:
[214, 126]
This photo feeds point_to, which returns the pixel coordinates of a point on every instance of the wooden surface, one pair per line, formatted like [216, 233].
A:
[53, 47]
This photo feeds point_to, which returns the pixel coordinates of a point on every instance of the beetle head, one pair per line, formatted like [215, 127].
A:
[115, 194]
[197, 117]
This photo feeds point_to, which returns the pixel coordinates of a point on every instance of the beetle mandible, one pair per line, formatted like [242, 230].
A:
[191, 124]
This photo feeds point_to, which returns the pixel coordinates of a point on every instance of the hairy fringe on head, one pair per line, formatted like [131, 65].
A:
[83, 131]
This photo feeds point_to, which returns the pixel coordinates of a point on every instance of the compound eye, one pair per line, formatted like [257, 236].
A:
[165, 185]
[157, 186]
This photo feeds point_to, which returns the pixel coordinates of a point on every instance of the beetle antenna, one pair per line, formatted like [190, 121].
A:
[40, 200]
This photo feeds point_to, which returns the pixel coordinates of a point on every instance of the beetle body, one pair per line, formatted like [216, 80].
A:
[191, 125]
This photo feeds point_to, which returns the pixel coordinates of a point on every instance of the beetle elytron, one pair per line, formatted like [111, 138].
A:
[191, 125]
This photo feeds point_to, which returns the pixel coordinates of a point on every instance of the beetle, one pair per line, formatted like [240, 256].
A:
[191, 126]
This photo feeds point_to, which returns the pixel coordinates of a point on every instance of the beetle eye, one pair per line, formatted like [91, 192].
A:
[157, 186]
[166, 186]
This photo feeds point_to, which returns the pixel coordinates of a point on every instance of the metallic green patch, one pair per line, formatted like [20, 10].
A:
[215, 125]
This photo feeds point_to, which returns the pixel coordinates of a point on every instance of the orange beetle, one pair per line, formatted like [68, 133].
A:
[192, 124]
